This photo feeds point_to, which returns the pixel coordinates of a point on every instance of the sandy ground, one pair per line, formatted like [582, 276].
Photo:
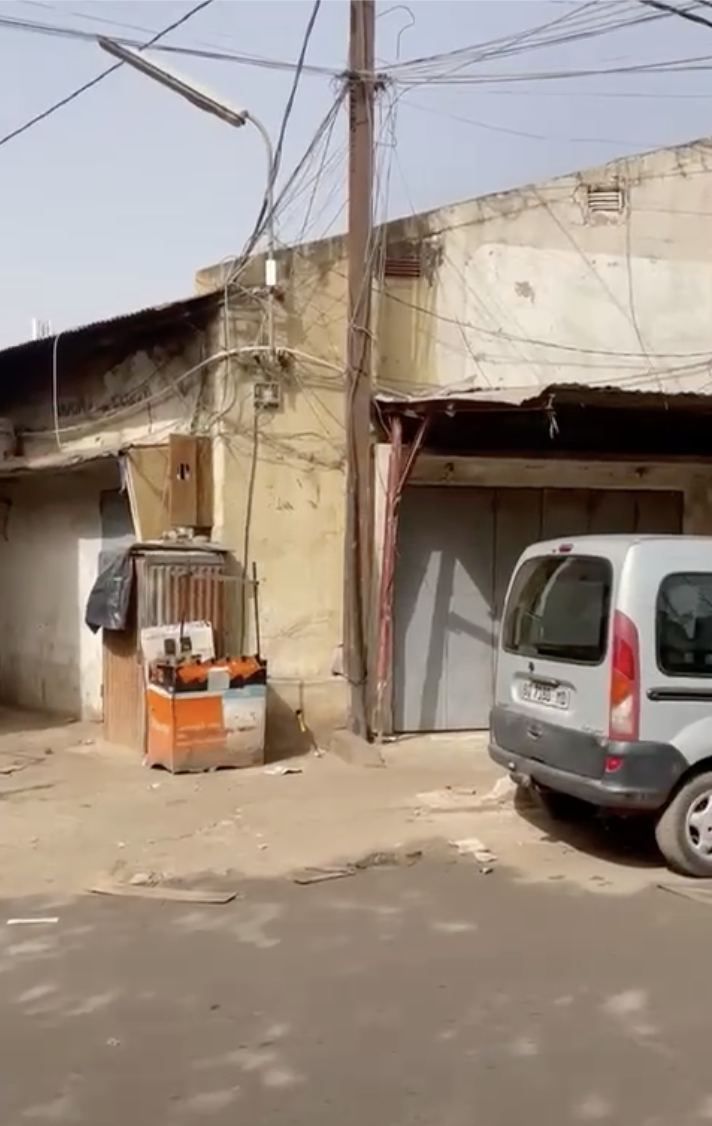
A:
[526, 978]
[75, 810]
[421, 995]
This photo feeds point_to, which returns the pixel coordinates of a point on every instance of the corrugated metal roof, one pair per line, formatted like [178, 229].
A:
[585, 394]
[116, 328]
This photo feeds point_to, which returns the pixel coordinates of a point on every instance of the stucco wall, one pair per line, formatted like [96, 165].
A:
[518, 291]
[104, 404]
[531, 288]
[279, 481]
[51, 538]
[49, 552]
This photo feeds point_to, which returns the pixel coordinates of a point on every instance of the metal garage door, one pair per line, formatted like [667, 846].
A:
[456, 551]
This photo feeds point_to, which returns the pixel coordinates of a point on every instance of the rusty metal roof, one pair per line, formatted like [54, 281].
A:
[601, 395]
[115, 329]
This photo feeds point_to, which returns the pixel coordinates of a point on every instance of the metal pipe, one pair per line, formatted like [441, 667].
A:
[271, 264]
[399, 471]
[388, 565]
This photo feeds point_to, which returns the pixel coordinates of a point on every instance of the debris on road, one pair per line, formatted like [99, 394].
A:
[502, 791]
[388, 859]
[13, 767]
[381, 859]
[474, 847]
[697, 894]
[465, 799]
[280, 769]
[146, 879]
[320, 875]
[33, 922]
[450, 799]
[161, 891]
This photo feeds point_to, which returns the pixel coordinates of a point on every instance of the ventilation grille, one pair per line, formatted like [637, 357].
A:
[605, 201]
[403, 260]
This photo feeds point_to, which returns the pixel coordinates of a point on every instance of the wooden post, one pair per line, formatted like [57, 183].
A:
[358, 537]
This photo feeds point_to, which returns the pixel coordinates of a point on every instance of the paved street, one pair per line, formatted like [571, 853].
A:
[429, 994]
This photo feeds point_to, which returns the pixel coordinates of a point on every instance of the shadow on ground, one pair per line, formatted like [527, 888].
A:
[624, 841]
[421, 994]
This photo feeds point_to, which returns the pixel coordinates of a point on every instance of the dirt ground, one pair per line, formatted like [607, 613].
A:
[75, 810]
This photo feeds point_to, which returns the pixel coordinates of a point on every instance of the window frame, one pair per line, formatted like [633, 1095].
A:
[674, 675]
[564, 557]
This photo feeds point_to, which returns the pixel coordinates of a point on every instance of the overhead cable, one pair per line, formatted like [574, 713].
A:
[671, 10]
[98, 78]
[13, 23]
[268, 203]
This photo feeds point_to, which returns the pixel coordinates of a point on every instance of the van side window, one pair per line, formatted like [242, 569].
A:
[683, 625]
[558, 609]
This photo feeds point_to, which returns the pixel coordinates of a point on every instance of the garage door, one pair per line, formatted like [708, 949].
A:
[456, 551]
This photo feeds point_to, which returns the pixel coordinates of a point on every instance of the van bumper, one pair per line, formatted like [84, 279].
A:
[645, 779]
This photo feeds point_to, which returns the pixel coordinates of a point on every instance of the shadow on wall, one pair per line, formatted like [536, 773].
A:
[50, 548]
[286, 736]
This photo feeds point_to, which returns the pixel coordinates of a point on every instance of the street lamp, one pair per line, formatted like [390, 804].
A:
[232, 115]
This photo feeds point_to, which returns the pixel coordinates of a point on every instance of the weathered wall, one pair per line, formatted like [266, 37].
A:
[517, 291]
[104, 402]
[691, 479]
[279, 480]
[532, 287]
[49, 550]
[107, 397]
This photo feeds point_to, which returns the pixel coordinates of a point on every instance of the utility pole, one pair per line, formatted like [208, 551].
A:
[358, 539]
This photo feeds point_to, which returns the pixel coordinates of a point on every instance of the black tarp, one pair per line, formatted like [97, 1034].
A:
[108, 603]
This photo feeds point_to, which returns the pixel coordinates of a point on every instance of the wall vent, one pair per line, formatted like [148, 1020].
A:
[605, 201]
[403, 260]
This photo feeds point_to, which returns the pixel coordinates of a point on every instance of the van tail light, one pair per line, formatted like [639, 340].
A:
[624, 715]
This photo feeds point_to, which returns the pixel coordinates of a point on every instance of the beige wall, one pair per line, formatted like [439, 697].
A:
[279, 480]
[518, 291]
[530, 288]
[51, 540]
[52, 530]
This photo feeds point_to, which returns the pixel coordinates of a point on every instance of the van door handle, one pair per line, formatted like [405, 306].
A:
[549, 681]
[680, 695]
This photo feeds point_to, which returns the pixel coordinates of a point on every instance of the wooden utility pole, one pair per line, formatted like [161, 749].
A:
[358, 539]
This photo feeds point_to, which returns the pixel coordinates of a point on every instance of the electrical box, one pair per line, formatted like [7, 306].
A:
[268, 394]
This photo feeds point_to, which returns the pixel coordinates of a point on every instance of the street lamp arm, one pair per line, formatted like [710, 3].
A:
[232, 115]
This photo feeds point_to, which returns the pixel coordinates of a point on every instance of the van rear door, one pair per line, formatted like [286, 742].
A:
[551, 664]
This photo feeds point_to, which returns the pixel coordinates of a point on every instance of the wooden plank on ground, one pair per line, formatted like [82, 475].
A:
[158, 891]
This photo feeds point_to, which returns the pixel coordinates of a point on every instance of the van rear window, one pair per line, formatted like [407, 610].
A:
[558, 609]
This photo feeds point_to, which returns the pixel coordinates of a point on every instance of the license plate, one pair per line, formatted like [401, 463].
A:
[546, 694]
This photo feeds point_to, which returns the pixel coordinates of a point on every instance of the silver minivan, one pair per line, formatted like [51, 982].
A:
[603, 686]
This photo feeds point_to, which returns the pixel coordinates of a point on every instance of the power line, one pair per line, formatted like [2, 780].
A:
[212, 54]
[590, 21]
[492, 128]
[98, 78]
[671, 10]
[264, 212]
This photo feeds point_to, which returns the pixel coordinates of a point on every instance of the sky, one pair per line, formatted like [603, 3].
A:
[114, 202]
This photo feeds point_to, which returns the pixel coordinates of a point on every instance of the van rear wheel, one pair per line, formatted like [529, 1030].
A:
[684, 829]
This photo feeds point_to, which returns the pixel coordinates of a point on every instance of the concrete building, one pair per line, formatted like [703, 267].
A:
[86, 416]
[555, 340]
[507, 320]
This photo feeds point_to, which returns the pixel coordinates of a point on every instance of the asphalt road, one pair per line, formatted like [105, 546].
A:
[429, 994]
